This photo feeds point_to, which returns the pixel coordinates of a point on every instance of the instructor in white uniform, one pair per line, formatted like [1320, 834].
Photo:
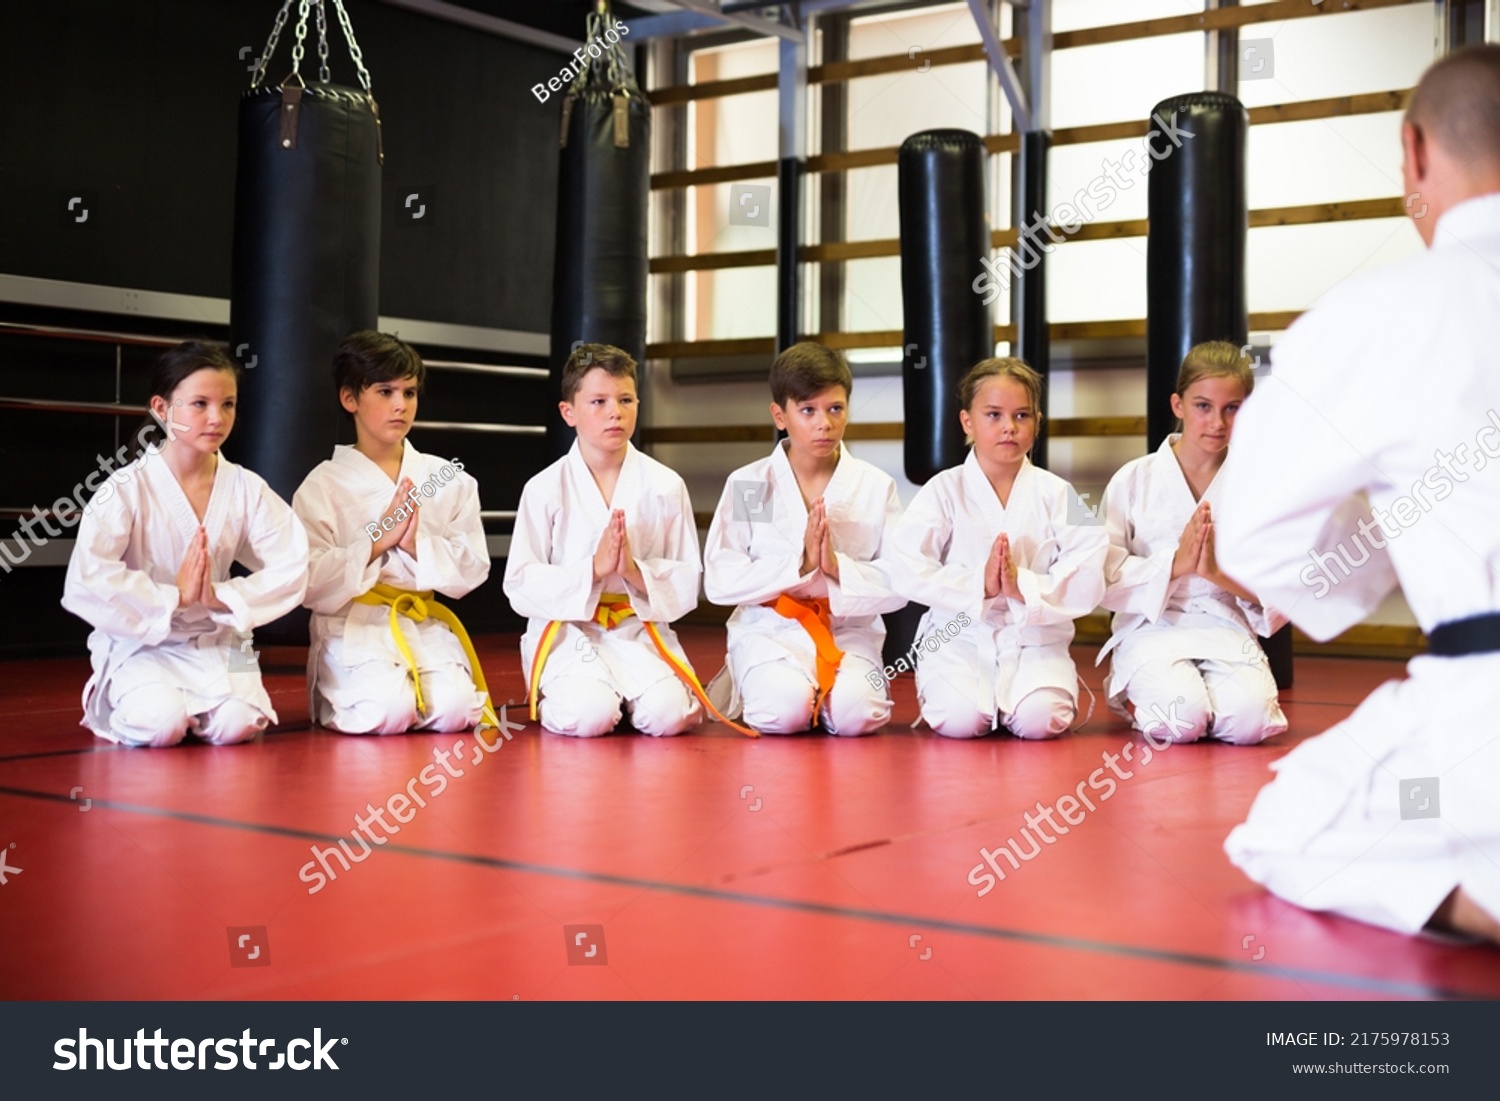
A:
[1369, 458]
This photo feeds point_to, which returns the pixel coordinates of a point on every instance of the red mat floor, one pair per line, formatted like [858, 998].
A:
[708, 866]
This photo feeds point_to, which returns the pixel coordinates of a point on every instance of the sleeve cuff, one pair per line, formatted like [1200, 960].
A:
[667, 597]
[1029, 607]
[1159, 589]
[238, 616]
[157, 632]
[361, 571]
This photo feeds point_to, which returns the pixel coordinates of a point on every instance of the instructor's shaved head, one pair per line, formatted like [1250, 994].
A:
[1450, 137]
[1457, 103]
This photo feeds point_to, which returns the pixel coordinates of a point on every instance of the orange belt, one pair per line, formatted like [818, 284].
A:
[813, 614]
[613, 610]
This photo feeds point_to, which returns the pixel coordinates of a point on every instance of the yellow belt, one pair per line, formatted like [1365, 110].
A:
[614, 609]
[417, 607]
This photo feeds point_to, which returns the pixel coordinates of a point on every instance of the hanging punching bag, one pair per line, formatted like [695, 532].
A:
[604, 183]
[306, 269]
[1195, 259]
[944, 236]
[1195, 246]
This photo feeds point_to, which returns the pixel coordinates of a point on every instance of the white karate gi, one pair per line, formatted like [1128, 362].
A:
[358, 682]
[1385, 395]
[1184, 648]
[1011, 661]
[161, 672]
[754, 554]
[550, 576]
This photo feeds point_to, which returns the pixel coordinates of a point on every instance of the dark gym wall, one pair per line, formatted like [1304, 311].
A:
[132, 106]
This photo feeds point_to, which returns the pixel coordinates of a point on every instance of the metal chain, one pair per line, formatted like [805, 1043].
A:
[354, 51]
[617, 59]
[617, 71]
[322, 44]
[265, 57]
[301, 34]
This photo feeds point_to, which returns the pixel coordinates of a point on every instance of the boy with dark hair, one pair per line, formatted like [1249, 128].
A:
[604, 557]
[385, 656]
[797, 544]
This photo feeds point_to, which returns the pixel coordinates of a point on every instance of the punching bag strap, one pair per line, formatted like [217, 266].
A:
[622, 120]
[379, 138]
[291, 102]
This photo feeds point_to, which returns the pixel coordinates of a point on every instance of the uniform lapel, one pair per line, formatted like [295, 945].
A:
[1178, 478]
[164, 484]
[789, 513]
[585, 491]
[979, 491]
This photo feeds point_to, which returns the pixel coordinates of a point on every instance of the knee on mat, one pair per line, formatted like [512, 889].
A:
[777, 699]
[1042, 715]
[855, 708]
[665, 710]
[586, 710]
[852, 718]
[779, 715]
[451, 703]
[232, 722]
[1246, 726]
[958, 722]
[152, 715]
[1174, 721]
[389, 710]
[950, 712]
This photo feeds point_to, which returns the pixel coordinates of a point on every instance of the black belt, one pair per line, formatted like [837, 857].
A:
[1478, 634]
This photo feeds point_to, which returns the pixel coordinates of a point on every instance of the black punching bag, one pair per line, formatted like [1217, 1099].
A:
[944, 236]
[604, 183]
[306, 255]
[1195, 247]
[1195, 259]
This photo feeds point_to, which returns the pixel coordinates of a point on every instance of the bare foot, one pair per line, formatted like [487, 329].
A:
[1460, 914]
